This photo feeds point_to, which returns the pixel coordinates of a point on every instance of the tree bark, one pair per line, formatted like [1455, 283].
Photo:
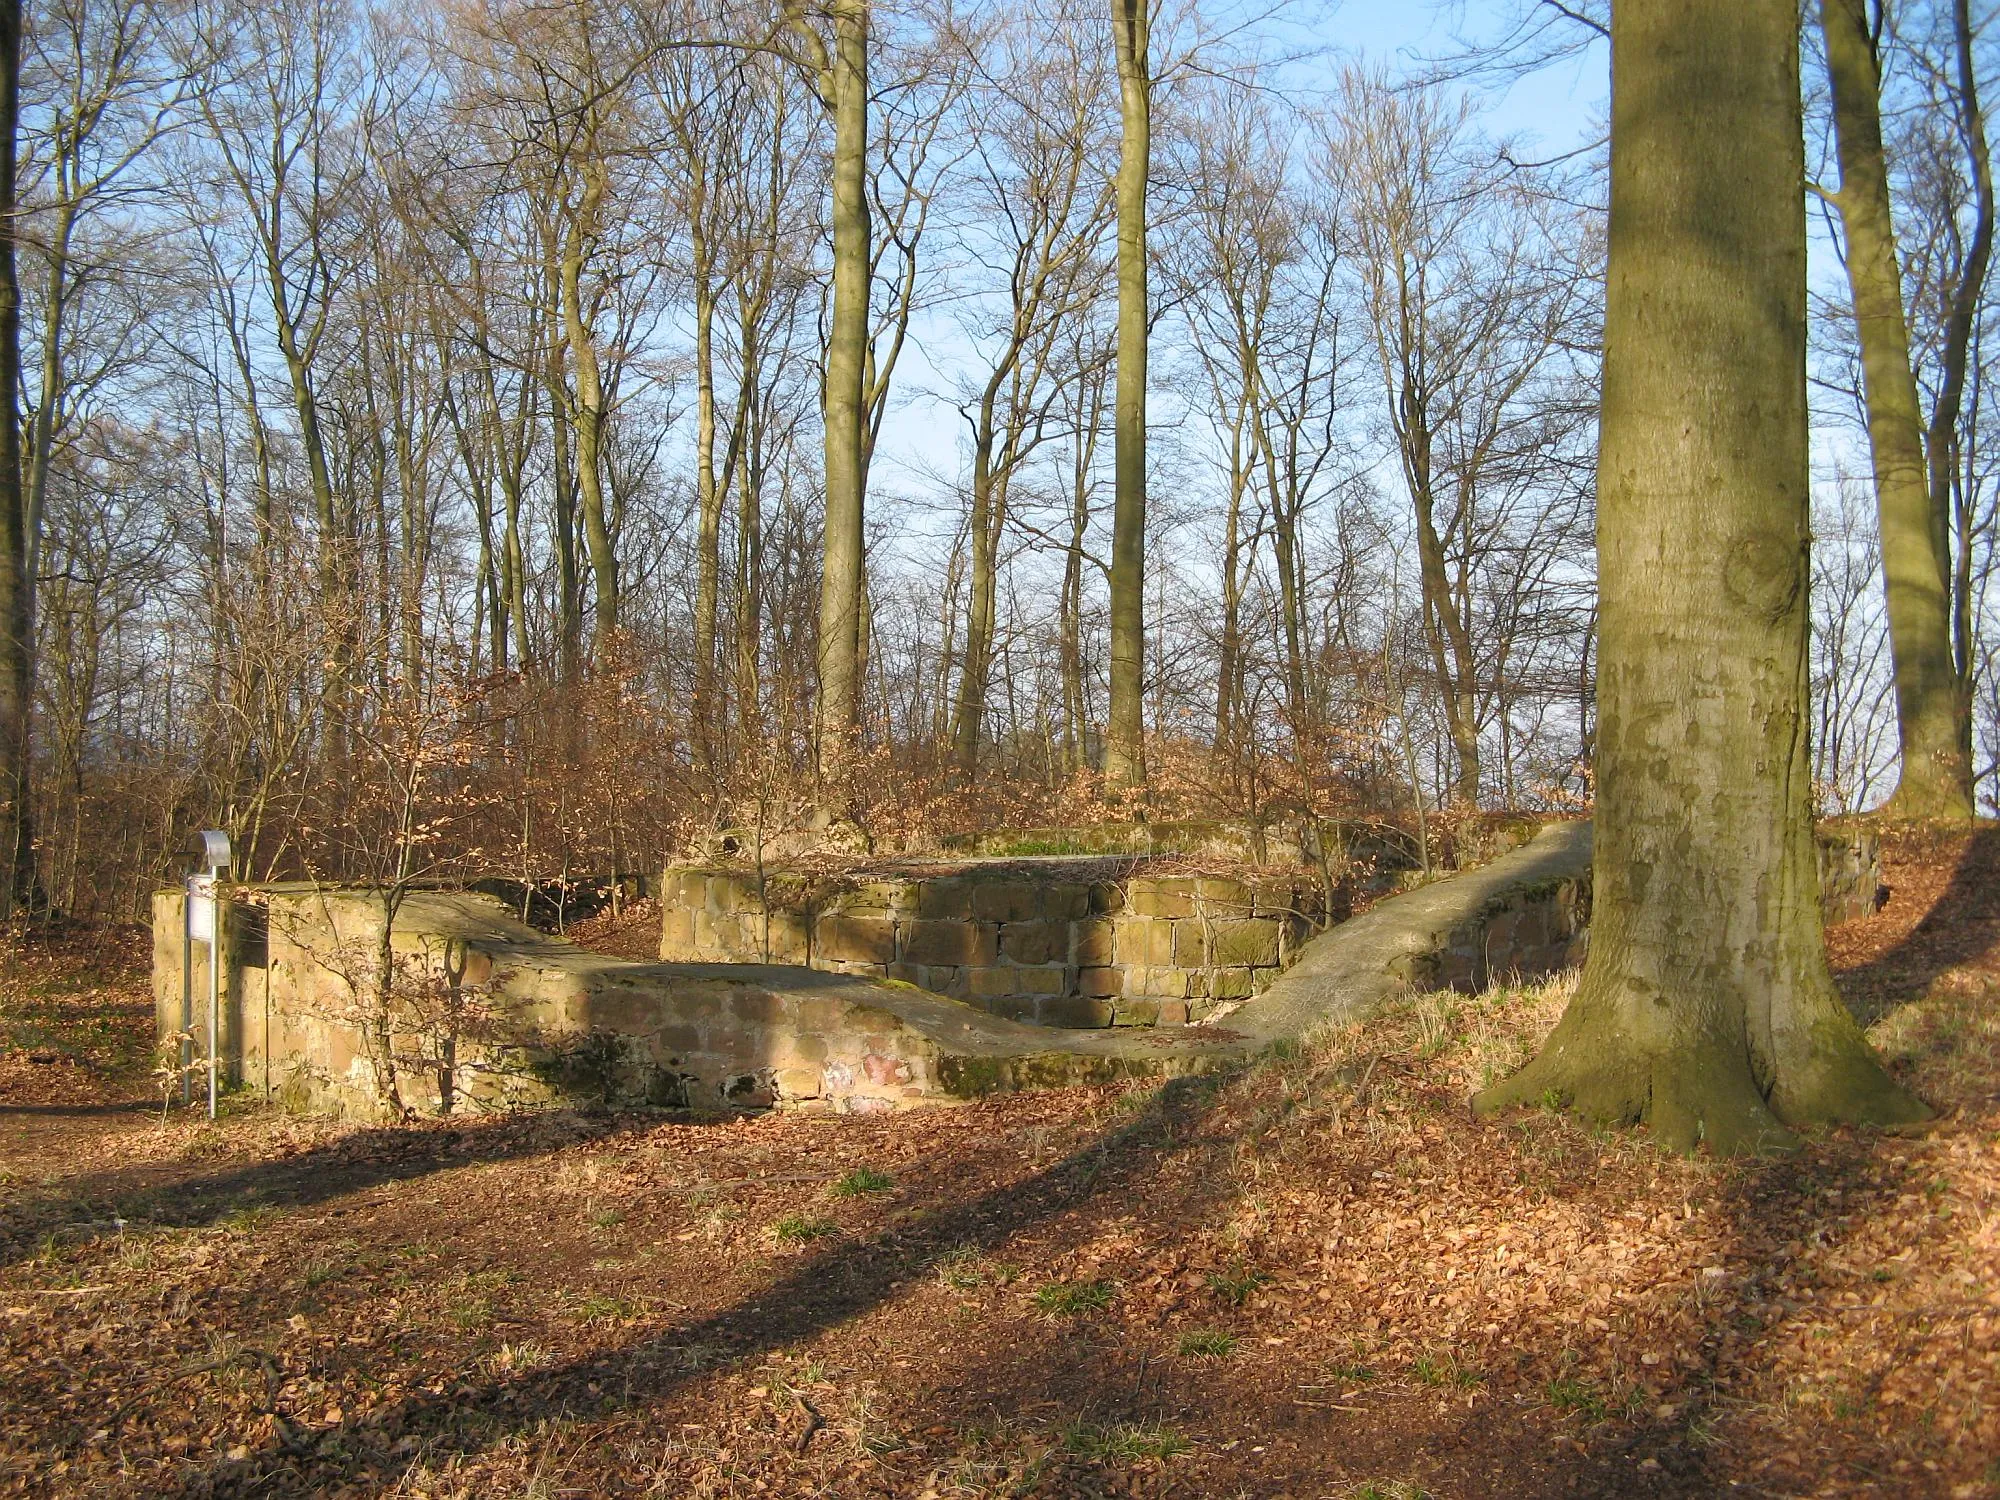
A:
[846, 90]
[1706, 1009]
[1229, 650]
[562, 477]
[1088, 412]
[708, 493]
[1125, 732]
[588, 408]
[17, 626]
[1951, 516]
[1936, 778]
[988, 518]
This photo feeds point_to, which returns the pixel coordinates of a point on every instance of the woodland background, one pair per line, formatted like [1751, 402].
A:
[421, 428]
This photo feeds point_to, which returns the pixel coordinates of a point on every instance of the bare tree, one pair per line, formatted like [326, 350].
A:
[1041, 202]
[1706, 1009]
[1936, 770]
[1125, 733]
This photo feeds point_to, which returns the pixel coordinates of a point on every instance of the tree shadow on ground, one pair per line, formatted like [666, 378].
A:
[80, 1111]
[1798, 1233]
[824, 1291]
[1081, 1374]
[1960, 927]
[182, 1195]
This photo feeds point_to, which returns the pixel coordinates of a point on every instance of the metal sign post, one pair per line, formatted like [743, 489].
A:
[204, 924]
[187, 990]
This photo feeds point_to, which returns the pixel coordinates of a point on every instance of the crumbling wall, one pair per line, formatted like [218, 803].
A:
[1058, 944]
[487, 1013]
[244, 982]
[1850, 873]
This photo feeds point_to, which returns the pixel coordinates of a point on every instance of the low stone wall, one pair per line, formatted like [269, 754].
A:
[1059, 942]
[1529, 935]
[484, 1012]
[487, 1012]
[1294, 842]
[245, 990]
[1850, 873]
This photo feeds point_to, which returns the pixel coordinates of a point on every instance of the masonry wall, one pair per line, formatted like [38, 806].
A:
[499, 1015]
[244, 1007]
[1042, 946]
[1850, 873]
[1531, 935]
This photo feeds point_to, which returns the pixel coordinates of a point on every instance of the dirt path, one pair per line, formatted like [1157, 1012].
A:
[1315, 1279]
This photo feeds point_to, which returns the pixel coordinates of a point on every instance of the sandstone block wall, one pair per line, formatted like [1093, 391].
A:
[1061, 946]
[1850, 873]
[1532, 935]
[244, 1006]
[496, 1015]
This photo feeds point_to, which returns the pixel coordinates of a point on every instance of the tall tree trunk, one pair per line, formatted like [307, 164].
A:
[513, 461]
[1282, 484]
[846, 363]
[562, 485]
[1451, 651]
[1089, 415]
[708, 494]
[1706, 1009]
[1125, 734]
[514, 576]
[1936, 779]
[749, 439]
[588, 409]
[1445, 634]
[1951, 513]
[1229, 652]
[987, 520]
[49, 416]
[750, 604]
[17, 625]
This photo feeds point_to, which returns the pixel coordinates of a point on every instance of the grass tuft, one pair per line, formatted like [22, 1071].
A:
[1069, 1299]
[1445, 1370]
[1569, 1395]
[1121, 1442]
[1235, 1287]
[801, 1229]
[1208, 1343]
[603, 1308]
[861, 1182]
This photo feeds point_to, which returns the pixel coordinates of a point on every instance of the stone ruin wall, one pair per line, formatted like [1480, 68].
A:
[1056, 949]
[544, 1020]
[1535, 934]
[579, 1025]
[1850, 874]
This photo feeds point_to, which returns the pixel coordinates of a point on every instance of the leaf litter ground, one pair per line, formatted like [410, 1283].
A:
[1320, 1278]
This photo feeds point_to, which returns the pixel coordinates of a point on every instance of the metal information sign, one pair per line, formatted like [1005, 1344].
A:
[201, 908]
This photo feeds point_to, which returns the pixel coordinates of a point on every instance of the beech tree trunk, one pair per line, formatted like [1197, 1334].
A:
[1706, 1010]
[846, 362]
[988, 517]
[1936, 778]
[17, 670]
[1087, 412]
[1951, 509]
[588, 409]
[1125, 733]
[708, 559]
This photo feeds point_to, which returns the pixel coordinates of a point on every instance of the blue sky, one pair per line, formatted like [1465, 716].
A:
[1556, 110]
[1560, 107]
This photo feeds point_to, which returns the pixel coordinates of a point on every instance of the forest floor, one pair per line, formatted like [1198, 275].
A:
[1319, 1278]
